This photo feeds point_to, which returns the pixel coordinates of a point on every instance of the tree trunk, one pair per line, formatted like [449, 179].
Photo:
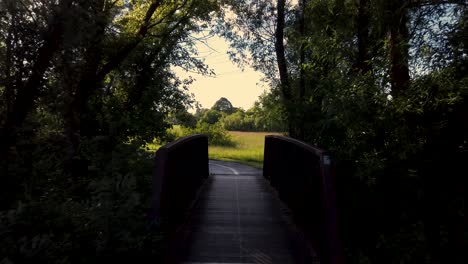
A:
[399, 38]
[9, 93]
[279, 48]
[363, 64]
[80, 93]
[92, 74]
[27, 93]
[302, 85]
[77, 106]
[282, 64]
[302, 50]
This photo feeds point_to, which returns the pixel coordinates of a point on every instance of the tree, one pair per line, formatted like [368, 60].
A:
[269, 114]
[399, 45]
[84, 86]
[362, 28]
[28, 90]
[169, 24]
[341, 61]
[210, 117]
[252, 29]
[223, 105]
[91, 56]
[235, 122]
[259, 27]
[183, 117]
[282, 64]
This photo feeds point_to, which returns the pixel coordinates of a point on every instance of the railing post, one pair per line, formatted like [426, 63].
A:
[334, 245]
[160, 164]
[267, 159]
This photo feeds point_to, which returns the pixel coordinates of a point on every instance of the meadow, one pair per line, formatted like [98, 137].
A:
[248, 148]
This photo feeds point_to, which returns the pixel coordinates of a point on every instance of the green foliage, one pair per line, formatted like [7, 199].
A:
[223, 105]
[238, 121]
[83, 86]
[98, 217]
[210, 117]
[398, 162]
[80, 79]
[216, 134]
[183, 118]
[381, 85]
[398, 155]
[266, 115]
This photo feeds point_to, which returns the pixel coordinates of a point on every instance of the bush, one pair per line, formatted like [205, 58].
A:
[400, 166]
[211, 117]
[217, 135]
[97, 217]
[238, 122]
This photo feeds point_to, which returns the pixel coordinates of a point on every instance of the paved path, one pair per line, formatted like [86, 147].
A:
[238, 219]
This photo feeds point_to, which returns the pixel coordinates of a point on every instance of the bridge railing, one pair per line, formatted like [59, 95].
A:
[180, 168]
[303, 177]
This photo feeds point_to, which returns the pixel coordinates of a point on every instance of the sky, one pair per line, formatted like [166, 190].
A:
[241, 88]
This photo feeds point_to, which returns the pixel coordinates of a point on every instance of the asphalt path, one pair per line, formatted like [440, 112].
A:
[238, 219]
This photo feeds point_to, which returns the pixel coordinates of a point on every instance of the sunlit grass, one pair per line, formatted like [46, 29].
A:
[249, 149]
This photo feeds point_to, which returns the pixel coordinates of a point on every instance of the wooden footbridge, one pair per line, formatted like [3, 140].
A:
[225, 212]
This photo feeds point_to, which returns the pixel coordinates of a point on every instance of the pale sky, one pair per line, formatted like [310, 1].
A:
[241, 88]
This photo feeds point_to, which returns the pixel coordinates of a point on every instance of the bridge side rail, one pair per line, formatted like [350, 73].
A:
[180, 168]
[303, 176]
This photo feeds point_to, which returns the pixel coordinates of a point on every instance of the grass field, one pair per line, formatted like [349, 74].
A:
[249, 148]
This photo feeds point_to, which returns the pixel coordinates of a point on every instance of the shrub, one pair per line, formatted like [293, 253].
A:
[217, 135]
[211, 117]
[97, 217]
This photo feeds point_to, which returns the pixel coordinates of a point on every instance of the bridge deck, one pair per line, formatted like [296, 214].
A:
[238, 219]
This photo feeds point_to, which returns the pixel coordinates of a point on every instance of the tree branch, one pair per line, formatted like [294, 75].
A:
[151, 10]
[125, 51]
[29, 12]
[173, 11]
